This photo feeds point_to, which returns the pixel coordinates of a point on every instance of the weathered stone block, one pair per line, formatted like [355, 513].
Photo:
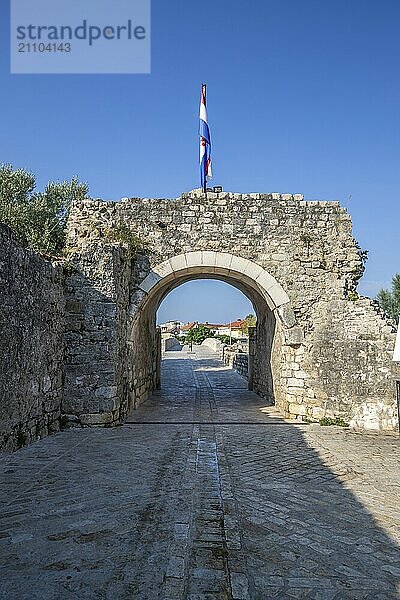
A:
[294, 382]
[96, 419]
[265, 280]
[178, 263]
[278, 295]
[163, 269]
[108, 391]
[151, 280]
[297, 409]
[209, 259]
[286, 315]
[294, 336]
[193, 258]
[223, 260]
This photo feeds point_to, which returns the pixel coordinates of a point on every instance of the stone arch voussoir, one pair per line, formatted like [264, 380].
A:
[228, 266]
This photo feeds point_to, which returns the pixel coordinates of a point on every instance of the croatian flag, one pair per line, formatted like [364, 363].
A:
[205, 141]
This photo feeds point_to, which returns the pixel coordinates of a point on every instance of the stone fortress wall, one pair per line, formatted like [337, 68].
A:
[79, 344]
[320, 350]
[31, 344]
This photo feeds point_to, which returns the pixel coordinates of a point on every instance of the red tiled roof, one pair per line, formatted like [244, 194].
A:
[235, 324]
[195, 324]
[188, 326]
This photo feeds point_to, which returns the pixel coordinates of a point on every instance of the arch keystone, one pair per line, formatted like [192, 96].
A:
[209, 258]
[223, 260]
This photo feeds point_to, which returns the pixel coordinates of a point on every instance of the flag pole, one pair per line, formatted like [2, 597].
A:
[205, 141]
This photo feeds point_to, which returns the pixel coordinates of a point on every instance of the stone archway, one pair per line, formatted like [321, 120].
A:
[244, 272]
[276, 326]
[298, 260]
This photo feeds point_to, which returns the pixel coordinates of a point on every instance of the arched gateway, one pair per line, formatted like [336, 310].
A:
[272, 305]
[319, 349]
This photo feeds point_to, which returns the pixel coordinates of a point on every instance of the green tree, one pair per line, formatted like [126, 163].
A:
[249, 321]
[198, 334]
[389, 300]
[37, 218]
[225, 339]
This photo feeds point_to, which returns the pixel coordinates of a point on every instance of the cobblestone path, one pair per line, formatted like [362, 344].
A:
[205, 493]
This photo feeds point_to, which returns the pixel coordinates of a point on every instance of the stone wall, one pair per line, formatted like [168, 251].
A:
[305, 361]
[171, 343]
[350, 364]
[237, 360]
[318, 350]
[31, 344]
[93, 296]
[107, 373]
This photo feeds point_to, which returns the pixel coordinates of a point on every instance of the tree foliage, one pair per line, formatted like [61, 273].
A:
[37, 218]
[389, 300]
[225, 339]
[249, 321]
[123, 234]
[198, 334]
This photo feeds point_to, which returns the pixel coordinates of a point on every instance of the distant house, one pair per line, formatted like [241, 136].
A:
[211, 326]
[171, 328]
[186, 328]
[234, 329]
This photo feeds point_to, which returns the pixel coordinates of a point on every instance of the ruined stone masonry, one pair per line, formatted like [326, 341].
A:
[318, 349]
[31, 344]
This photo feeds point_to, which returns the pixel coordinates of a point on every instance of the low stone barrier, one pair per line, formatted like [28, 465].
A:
[170, 344]
[237, 360]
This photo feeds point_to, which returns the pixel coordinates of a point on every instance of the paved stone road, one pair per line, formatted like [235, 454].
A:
[205, 493]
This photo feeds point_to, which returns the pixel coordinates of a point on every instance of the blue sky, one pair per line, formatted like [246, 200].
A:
[205, 300]
[303, 98]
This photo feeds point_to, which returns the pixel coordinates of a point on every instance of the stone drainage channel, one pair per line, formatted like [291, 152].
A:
[206, 555]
